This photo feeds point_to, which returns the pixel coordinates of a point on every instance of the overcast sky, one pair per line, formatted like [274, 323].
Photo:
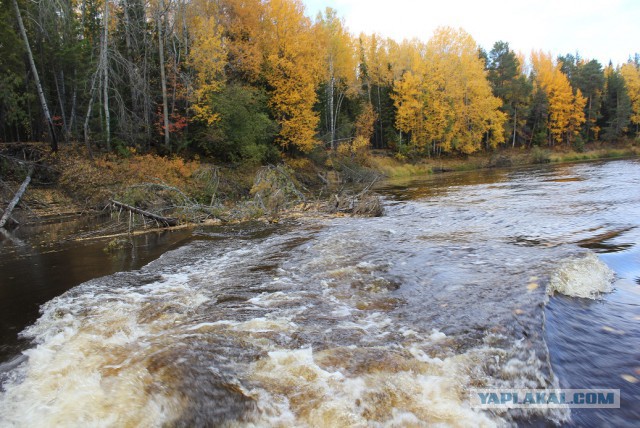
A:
[598, 29]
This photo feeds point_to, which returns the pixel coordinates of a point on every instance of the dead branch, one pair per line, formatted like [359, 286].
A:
[164, 220]
[365, 203]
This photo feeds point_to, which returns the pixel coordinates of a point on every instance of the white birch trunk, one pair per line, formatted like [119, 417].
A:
[36, 78]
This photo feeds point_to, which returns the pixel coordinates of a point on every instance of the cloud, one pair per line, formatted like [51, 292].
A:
[597, 29]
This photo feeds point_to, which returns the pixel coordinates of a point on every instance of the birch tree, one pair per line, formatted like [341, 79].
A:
[36, 78]
[339, 66]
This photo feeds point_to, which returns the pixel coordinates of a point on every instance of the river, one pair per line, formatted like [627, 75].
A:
[342, 321]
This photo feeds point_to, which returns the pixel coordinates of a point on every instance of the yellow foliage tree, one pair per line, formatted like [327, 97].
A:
[242, 22]
[446, 102]
[339, 66]
[376, 57]
[566, 109]
[293, 68]
[411, 111]
[365, 122]
[631, 76]
[206, 56]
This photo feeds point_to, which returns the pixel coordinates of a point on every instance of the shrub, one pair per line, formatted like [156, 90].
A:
[539, 155]
[244, 131]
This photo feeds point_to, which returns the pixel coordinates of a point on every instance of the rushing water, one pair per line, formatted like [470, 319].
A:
[357, 321]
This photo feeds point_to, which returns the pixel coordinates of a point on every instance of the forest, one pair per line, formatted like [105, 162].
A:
[250, 80]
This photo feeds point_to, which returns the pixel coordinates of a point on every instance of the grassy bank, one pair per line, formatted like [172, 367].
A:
[193, 190]
[389, 166]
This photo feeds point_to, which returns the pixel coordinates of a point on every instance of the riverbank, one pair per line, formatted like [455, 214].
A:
[392, 167]
[194, 191]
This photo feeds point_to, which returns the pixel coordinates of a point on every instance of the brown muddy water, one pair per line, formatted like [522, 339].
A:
[345, 321]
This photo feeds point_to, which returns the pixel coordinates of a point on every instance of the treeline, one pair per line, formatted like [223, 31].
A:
[248, 79]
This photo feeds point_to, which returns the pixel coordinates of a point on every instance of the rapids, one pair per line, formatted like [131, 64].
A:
[464, 283]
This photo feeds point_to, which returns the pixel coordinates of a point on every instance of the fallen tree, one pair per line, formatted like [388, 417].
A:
[167, 221]
[11, 221]
[16, 198]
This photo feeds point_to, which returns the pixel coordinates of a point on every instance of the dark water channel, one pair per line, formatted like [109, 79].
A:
[42, 261]
[340, 321]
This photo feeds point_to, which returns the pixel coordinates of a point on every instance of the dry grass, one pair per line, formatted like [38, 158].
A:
[595, 154]
[394, 168]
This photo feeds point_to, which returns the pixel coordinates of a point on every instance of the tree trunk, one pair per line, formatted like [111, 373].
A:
[146, 95]
[163, 78]
[43, 101]
[16, 198]
[127, 40]
[515, 125]
[105, 69]
[332, 124]
[380, 118]
[88, 116]
[58, 79]
[74, 96]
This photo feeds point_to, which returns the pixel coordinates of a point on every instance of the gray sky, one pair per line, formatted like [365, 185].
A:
[598, 29]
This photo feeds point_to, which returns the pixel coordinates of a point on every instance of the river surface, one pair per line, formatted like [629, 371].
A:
[341, 321]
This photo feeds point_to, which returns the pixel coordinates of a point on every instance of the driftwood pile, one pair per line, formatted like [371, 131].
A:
[163, 205]
[365, 204]
[276, 189]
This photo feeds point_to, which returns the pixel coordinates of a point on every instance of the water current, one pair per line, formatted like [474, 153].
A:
[489, 279]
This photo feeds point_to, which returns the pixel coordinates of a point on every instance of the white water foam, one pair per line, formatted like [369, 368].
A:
[307, 388]
[326, 348]
[91, 366]
[585, 276]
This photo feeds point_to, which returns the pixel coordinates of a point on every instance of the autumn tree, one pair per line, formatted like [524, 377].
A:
[242, 29]
[446, 101]
[206, 58]
[376, 76]
[339, 66]
[631, 76]
[292, 71]
[566, 108]
[588, 77]
[411, 115]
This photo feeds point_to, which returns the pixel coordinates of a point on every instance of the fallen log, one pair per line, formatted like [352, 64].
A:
[16, 198]
[167, 221]
[11, 221]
